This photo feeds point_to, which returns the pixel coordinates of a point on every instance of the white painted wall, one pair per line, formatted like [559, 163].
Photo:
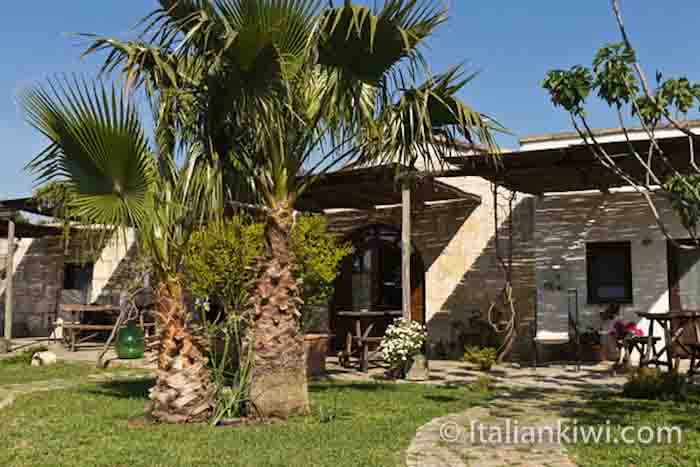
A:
[563, 225]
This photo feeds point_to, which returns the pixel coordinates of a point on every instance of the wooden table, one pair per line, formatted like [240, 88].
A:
[360, 342]
[685, 320]
[76, 326]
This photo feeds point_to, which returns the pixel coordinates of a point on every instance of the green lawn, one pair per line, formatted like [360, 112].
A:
[13, 373]
[640, 413]
[370, 425]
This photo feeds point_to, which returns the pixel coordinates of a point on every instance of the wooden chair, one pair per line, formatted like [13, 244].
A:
[359, 345]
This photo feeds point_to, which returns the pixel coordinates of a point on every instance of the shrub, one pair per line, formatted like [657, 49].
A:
[653, 384]
[485, 357]
[319, 255]
[217, 262]
[219, 256]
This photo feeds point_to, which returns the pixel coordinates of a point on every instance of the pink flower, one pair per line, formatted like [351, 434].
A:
[620, 330]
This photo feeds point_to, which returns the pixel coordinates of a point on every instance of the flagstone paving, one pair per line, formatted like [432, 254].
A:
[500, 434]
[505, 432]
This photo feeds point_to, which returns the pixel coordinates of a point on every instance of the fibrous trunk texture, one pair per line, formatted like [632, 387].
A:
[183, 392]
[278, 378]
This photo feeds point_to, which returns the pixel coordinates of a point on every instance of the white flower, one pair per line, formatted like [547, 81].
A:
[403, 339]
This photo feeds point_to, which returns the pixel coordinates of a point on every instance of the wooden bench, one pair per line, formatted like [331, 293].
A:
[72, 331]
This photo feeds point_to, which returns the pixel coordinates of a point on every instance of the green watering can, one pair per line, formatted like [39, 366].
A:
[130, 342]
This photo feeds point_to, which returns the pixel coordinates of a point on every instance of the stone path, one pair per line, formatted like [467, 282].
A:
[557, 377]
[9, 392]
[520, 427]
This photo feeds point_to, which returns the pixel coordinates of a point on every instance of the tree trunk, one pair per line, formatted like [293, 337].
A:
[278, 377]
[183, 392]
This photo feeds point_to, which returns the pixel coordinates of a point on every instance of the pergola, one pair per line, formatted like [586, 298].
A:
[573, 167]
[363, 189]
[368, 188]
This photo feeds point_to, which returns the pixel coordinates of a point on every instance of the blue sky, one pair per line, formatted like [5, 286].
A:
[511, 42]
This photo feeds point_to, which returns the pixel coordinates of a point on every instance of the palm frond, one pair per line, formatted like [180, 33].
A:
[97, 146]
[368, 44]
[426, 125]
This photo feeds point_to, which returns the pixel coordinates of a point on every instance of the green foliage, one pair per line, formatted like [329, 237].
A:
[686, 199]
[483, 384]
[614, 75]
[615, 79]
[653, 384]
[318, 258]
[569, 88]
[217, 261]
[485, 357]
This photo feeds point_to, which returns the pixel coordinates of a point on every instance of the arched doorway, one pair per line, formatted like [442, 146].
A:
[370, 280]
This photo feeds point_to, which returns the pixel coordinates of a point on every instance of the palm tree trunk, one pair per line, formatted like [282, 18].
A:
[183, 392]
[278, 378]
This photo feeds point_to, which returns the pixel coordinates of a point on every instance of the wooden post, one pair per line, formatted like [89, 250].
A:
[9, 278]
[406, 250]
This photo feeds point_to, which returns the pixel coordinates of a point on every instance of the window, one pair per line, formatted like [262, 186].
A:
[609, 272]
[77, 276]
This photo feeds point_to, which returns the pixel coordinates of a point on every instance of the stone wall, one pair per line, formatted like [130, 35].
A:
[462, 273]
[566, 222]
[38, 280]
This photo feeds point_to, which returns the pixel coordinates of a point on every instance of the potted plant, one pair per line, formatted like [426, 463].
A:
[403, 340]
[484, 358]
[591, 346]
[314, 323]
[620, 332]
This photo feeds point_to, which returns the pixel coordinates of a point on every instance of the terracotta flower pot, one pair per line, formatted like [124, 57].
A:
[316, 349]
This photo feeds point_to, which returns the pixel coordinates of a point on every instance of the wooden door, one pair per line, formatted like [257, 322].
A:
[684, 283]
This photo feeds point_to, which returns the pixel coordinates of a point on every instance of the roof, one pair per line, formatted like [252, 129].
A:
[367, 188]
[572, 167]
[8, 208]
[28, 204]
[23, 230]
[600, 132]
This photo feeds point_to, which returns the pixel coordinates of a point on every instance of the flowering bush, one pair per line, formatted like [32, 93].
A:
[403, 339]
[621, 330]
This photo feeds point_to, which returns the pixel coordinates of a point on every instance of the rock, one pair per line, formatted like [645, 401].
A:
[5, 345]
[43, 358]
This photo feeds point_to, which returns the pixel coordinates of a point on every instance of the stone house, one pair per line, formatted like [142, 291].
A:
[569, 225]
[47, 273]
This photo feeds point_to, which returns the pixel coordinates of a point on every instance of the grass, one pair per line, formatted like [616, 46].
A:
[12, 372]
[640, 413]
[362, 424]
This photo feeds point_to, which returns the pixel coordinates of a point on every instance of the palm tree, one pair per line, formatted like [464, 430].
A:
[255, 92]
[100, 154]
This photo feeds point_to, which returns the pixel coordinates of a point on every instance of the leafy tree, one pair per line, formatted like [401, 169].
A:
[617, 77]
[252, 93]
